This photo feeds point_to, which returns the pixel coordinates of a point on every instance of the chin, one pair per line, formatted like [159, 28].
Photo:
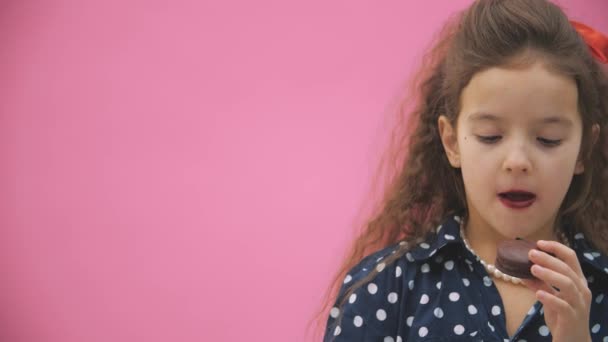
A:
[522, 231]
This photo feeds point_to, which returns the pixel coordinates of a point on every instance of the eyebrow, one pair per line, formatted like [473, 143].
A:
[481, 116]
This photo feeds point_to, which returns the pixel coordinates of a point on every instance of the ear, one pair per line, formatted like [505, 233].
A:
[595, 133]
[449, 140]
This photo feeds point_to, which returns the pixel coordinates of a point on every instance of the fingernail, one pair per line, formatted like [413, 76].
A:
[533, 253]
[536, 269]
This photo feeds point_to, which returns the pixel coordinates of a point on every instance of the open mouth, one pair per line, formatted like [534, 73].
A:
[517, 199]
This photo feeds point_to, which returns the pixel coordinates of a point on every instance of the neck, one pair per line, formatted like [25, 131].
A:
[484, 239]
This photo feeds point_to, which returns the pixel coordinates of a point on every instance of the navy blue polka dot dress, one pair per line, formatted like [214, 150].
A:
[439, 291]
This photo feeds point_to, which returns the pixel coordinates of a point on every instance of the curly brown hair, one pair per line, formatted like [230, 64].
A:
[420, 187]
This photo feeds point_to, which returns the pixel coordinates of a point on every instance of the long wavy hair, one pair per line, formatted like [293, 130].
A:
[419, 187]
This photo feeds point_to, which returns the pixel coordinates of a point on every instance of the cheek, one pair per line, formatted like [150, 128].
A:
[479, 171]
[476, 156]
[557, 172]
[478, 175]
[560, 162]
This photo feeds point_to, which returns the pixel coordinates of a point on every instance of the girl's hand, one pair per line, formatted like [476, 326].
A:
[567, 307]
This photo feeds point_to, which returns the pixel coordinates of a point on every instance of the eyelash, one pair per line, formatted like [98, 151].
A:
[494, 139]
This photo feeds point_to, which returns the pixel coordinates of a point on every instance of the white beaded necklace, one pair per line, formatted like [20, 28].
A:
[490, 268]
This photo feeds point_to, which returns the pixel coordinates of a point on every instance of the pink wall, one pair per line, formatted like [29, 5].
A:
[186, 170]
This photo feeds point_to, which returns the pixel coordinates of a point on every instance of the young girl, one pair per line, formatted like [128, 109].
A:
[508, 140]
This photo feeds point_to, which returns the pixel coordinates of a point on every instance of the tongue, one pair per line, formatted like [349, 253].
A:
[516, 196]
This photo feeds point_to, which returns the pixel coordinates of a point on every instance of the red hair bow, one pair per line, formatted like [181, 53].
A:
[597, 42]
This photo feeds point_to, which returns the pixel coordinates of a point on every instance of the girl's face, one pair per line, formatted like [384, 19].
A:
[517, 142]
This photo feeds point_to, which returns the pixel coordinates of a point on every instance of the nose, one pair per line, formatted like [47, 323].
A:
[517, 160]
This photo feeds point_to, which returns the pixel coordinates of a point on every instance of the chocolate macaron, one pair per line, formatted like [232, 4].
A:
[512, 258]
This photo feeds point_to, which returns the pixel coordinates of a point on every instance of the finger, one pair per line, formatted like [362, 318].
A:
[563, 253]
[547, 261]
[553, 302]
[537, 284]
[568, 289]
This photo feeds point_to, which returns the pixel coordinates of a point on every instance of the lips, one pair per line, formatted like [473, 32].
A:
[517, 199]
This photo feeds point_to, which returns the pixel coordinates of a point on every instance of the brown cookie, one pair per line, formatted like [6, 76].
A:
[512, 258]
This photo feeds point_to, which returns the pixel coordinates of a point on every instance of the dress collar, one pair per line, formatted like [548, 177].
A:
[447, 233]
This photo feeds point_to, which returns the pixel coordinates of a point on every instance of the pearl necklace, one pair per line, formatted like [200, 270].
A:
[490, 268]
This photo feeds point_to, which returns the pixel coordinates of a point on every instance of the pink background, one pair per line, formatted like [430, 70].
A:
[187, 170]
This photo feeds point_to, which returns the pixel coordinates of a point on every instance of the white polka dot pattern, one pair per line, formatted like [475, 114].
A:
[424, 299]
[409, 321]
[459, 329]
[454, 296]
[392, 297]
[352, 298]
[472, 309]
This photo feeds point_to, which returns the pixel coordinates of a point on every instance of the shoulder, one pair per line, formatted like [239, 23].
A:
[375, 261]
[379, 290]
[387, 273]
[370, 309]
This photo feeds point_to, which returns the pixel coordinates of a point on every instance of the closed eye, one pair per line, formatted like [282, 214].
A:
[488, 139]
[549, 142]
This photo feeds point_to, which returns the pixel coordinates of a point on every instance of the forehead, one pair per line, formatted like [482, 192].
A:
[526, 93]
